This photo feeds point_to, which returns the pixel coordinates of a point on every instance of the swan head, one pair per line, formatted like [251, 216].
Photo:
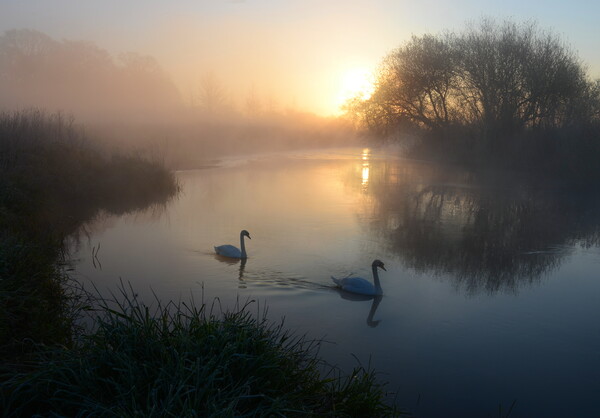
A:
[379, 263]
[245, 233]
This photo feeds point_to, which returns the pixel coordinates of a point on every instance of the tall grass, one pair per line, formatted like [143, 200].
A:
[184, 360]
[36, 301]
[53, 176]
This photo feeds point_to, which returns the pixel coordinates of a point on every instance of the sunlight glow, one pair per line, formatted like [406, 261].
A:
[355, 82]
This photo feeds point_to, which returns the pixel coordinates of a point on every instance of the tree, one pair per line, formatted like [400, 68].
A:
[212, 94]
[517, 77]
[416, 81]
[81, 78]
[496, 78]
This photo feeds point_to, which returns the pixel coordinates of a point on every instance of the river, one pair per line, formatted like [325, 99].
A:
[491, 289]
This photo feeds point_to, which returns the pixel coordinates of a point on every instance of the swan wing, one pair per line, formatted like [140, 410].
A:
[228, 251]
[356, 285]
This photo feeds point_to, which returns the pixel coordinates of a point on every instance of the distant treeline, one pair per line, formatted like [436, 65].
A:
[82, 78]
[504, 92]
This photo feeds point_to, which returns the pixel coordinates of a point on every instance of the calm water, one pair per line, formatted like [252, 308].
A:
[490, 296]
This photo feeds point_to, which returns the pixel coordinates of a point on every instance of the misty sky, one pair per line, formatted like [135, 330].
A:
[305, 54]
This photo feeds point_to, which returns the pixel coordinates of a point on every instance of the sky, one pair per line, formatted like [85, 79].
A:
[308, 55]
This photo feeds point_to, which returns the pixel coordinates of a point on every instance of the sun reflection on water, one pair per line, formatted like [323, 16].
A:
[366, 153]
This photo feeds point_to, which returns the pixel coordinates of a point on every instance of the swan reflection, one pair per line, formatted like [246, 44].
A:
[231, 261]
[355, 297]
[242, 283]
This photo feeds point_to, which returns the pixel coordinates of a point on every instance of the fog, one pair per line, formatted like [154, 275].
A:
[240, 76]
[130, 101]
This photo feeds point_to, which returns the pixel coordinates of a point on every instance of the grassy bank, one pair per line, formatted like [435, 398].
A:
[183, 360]
[177, 360]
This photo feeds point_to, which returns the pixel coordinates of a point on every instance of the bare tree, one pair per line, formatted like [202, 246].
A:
[418, 80]
[212, 95]
[501, 78]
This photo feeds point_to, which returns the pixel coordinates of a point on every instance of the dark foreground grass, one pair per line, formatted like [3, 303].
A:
[180, 360]
[36, 301]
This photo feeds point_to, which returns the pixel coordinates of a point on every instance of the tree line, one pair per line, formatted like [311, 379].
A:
[36, 70]
[492, 81]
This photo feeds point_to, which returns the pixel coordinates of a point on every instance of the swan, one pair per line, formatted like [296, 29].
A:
[360, 285]
[232, 251]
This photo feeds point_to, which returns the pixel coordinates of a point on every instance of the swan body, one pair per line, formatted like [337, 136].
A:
[232, 251]
[362, 286]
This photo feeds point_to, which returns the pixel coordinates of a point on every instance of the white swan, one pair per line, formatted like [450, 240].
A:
[360, 285]
[232, 251]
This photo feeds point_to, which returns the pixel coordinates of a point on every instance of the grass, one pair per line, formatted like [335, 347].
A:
[35, 299]
[183, 360]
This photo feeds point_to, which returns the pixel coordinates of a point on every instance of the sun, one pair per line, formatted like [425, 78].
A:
[355, 82]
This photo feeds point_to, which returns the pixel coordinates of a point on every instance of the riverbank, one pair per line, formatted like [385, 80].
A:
[52, 180]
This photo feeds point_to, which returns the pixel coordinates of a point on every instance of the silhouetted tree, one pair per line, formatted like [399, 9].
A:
[516, 77]
[416, 81]
[500, 78]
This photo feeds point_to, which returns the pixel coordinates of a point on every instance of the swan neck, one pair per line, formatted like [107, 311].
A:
[243, 246]
[376, 280]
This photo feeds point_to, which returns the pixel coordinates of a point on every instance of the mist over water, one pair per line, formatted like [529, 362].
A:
[488, 294]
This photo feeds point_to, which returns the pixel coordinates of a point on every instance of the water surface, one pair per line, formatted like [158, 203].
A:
[490, 294]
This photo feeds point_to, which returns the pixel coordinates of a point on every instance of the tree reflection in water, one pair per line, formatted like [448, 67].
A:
[488, 236]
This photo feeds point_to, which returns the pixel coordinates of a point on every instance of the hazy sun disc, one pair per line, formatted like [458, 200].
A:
[356, 82]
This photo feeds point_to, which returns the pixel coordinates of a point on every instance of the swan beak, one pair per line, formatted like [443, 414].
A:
[248, 236]
[383, 268]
